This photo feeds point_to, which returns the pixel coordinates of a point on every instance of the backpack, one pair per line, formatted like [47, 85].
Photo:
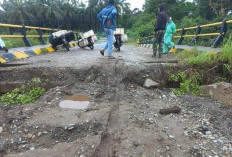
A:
[105, 14]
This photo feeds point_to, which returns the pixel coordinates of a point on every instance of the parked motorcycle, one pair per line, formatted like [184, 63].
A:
[120, 37]
[87, 39]
[118, 41]
[61, 38]
[89, 43]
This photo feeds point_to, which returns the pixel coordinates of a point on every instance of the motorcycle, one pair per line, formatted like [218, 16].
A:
[61, 38]
[118, 41]
[87, 39]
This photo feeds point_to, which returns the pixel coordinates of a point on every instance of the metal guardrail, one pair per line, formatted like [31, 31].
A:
[23, 30]
[216, 43]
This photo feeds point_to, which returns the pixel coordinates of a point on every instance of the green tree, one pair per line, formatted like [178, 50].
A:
[17, 12]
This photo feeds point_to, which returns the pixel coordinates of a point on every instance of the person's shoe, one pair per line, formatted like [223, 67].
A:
[111, 57]
[172, 50]
[160, 55]
[102, 52]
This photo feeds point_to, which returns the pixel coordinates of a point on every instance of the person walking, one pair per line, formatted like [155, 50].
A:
[159, 30]
[169, 31]
[107, 17]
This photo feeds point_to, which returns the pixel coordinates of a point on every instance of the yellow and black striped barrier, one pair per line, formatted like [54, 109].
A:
[7, 57]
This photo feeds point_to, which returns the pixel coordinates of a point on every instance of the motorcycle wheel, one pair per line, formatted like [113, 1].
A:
[66, 45]
[118, 44]
[91, 47]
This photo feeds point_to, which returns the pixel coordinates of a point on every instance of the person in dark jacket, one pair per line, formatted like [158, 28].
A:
[107, 17]
[159, 30]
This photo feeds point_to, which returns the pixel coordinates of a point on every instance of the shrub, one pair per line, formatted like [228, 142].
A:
[14, 42]
[23, 95]
[188, 84]
[227, 51]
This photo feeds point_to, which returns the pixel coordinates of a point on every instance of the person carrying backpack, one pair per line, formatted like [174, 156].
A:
[159, 30]
[169, 31]
[107, 17]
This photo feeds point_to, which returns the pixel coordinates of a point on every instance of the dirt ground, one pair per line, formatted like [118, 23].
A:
[123, 118]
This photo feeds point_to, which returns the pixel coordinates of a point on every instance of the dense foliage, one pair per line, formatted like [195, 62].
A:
[186, 14]
[25, 94]
[75, 15]
[64, 14]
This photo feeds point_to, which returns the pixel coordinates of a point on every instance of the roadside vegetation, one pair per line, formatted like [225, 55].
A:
[25, 94]
[203, 68]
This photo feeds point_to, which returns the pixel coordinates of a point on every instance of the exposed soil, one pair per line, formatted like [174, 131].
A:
[123, 119]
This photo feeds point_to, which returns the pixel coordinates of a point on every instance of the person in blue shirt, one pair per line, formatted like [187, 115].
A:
[107, 17]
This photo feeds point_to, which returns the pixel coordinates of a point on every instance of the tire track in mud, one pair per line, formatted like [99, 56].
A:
[110, 136]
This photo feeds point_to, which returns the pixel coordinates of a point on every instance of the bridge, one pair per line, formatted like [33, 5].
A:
[24, 52]
[124, 97]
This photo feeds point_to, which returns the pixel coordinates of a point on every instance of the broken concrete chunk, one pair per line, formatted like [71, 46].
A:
[221, 91]
[150, 83]
[174, 109]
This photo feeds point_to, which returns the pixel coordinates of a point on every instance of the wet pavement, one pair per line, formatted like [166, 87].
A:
[79, 57]
[199, 48]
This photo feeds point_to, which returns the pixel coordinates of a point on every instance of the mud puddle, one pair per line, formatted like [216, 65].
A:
[77, 102]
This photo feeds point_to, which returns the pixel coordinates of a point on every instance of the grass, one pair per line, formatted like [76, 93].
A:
[189, 83]
[195, 57]
[18, 42]
[204, 58]
[227, 52]
[203, 65]
[187, 53]
[14, 42]
[25, 94]
[130, 41]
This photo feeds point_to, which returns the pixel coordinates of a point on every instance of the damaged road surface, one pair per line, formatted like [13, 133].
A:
[122, 117]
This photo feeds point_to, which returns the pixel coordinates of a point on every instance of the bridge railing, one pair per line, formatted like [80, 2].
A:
[220, 35]
[24, 36]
